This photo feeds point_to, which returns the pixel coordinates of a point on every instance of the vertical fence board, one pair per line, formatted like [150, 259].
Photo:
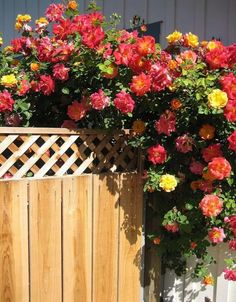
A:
[13, 242]
[45, 240]
[105, 237]
[77, 241]
[130, 250]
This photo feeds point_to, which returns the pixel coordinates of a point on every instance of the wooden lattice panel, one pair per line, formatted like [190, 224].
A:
[39, 152]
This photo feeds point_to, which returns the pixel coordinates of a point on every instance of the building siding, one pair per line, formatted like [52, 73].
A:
[206, 18]
[184, 289]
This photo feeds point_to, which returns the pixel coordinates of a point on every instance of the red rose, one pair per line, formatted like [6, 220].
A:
[232, 54]
[6, 101]
[217, 58]
[76, 111]
[93, 37]
[157, 154]
[211, 151]
[46, 84]
[230, 111]
[232, 141]
[166, 123]
[219, 168]
[230, 274]
[228, 84]
[232, 244]
[123, 54]
[60, 72]
[124, 102]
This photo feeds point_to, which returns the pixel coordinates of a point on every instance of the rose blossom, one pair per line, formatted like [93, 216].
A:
[228, 84]
[166, 123]
[184, 143]
[211, 205]
[157, 154]
[160, 77]
[217, 58]
[232, 141]
[46, 84]
[99, 100]
[140, 84]
[216, 235]
[232, 223]
[211, 151]
[232, 244]
[76, 111]
[230, 111]
[219, 168]
[54, 11]
[69, 124]
[172, 227]
[6, 101]
[196, 167]
[232, 54]
[124, 102]
[60, 72]
[230, 274]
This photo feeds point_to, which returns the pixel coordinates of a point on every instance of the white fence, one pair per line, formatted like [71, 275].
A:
[183, 289]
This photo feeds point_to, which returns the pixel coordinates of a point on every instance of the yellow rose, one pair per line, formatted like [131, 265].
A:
[138, 126]
[174, 37]
[217, 99]
[8, 80]
[18, 26]
[168, 182]
[191, 40]
[42, 20]
[23, 18]
[1, 41]
[8, 49]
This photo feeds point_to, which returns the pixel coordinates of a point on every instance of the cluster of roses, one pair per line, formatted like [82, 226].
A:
[200, 144]
[82, 71]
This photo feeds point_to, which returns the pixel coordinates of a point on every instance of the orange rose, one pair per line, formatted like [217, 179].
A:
[207, 132]
[157, 240]
[175, 104]
[34, 66]
[208, 280]
[72, 5]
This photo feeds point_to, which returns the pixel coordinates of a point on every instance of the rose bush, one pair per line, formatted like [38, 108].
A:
[180, 103]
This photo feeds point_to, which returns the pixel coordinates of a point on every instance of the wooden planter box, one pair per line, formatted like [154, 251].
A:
[71, 216]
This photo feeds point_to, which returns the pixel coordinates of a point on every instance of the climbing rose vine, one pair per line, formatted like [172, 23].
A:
[77, 70]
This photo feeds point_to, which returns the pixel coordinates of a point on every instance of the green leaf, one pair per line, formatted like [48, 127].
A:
[65, 90]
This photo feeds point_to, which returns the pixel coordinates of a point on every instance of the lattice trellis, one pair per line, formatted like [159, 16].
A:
[39, 152]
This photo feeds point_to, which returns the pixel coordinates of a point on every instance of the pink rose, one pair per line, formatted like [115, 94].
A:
[216, 235]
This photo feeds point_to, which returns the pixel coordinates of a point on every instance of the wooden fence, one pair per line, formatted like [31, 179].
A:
[71, 239]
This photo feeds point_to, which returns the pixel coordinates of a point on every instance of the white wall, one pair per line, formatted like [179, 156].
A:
[207, 18]
[183, 289]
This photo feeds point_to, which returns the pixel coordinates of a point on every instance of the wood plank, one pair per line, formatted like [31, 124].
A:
[19, 130]
[130, 250]
[105, 237]
[77, 239]
[14, 260]
[45, 240]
